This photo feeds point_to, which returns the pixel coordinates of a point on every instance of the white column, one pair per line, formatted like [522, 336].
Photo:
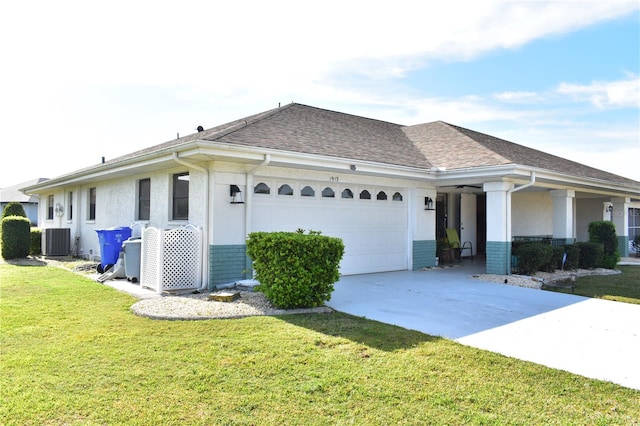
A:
[498, 210]
[498, 227]
[563, 214]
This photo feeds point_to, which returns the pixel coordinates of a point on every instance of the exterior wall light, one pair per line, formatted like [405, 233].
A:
[610, 209]
[236, 194]
[428, 203]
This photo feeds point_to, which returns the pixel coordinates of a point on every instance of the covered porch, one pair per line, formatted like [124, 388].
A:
[491, 214]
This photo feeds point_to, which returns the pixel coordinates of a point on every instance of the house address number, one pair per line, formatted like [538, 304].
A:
[334, 179]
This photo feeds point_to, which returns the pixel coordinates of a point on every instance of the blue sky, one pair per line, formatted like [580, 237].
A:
[82, 80]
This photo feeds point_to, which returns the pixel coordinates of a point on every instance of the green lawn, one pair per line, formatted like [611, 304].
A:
[72, 353]
[624, 287]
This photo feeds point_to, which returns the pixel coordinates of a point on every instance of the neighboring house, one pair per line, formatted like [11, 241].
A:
[389, 191]
[29, 202]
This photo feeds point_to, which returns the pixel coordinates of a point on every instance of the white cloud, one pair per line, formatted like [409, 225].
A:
[247, 56]
[603, 94]
[519, 97]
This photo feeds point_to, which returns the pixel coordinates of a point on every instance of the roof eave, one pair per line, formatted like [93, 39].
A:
[205, 150]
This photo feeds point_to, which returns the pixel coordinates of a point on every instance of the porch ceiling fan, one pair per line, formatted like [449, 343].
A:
[462, 186]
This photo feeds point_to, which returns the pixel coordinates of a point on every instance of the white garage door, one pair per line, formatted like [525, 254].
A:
[374, 229]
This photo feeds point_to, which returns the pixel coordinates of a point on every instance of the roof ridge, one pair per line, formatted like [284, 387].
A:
[477, 143]
[234, 126]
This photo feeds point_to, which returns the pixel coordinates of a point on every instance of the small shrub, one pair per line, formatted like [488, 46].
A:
[295, 270]
[16, 237]
[35, 248]
[555, 261]
[573, 257]
[533, 257]
[590, 254]
[604, 232]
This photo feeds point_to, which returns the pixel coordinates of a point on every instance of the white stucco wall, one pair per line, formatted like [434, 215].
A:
[531, 213]
[116, 205]
[588, 210]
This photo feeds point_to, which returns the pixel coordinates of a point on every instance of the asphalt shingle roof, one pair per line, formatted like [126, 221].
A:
[309, 130]
[304, 129]
[454, 147]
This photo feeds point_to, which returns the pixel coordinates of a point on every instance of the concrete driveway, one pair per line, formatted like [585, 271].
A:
[591, 337]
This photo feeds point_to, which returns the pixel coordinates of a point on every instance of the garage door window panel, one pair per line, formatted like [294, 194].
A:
[262, 188]
[347, 193]
[285, 190]
[365, 195]
[328, 193]
[307, 191]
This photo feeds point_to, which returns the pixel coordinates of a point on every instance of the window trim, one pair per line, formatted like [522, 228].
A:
[70, 205]
[92, 196]
[50, 204]
[175, 199]
[147, 202]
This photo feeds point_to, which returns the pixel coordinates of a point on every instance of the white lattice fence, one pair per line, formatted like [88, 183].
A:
[171, 258]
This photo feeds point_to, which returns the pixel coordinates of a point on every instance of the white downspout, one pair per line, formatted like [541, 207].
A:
[249, 195]
[205, 230]
[508, 215]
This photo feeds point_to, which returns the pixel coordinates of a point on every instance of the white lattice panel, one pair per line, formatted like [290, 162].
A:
[171, 259]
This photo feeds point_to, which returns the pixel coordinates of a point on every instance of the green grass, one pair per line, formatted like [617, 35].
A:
[623, 287]
[72, 353]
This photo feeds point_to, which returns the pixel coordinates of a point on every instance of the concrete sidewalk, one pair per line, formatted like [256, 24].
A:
[594, 338]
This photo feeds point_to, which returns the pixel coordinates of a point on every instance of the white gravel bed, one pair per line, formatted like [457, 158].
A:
[541, 278]
[198, 306]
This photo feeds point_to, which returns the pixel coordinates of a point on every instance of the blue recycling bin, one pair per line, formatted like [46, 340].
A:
[111, 240]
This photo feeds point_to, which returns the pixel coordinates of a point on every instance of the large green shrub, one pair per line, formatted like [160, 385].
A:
[295, 270]
[13, 209]
[16, 237]
[604, 232]
[35, 248]
[590, 254]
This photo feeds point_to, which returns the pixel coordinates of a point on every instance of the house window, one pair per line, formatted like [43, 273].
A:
[308, 191]
[328, 193]
[365, 195]
[381, 196]
[262, 188]
[70, 204]
[285, 190]
[91, 200]
[347, 193]
[50, 207]
[397, 197]
[180, 205]
[144, 199]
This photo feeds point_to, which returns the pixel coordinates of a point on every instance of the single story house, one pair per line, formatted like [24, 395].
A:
[12, 194]
[388, 190]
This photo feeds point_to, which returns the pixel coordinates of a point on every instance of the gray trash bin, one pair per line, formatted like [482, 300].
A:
[132, 249]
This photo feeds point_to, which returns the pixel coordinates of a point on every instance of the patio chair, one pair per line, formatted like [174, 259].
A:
[454, 242]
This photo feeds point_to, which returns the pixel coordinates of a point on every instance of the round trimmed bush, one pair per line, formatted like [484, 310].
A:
[13, 209]
[295, 270]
